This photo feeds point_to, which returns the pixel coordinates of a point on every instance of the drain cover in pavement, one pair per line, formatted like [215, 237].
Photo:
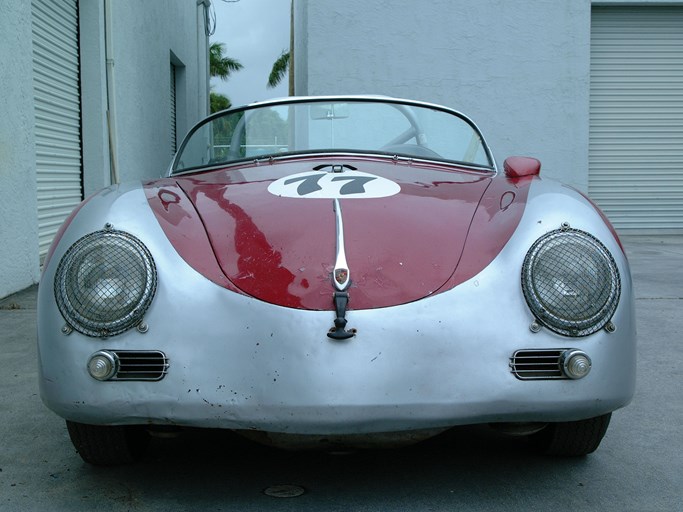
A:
[284, 491]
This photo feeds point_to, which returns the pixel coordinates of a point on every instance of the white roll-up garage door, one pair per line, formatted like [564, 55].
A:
[58, 114]
[636, 117]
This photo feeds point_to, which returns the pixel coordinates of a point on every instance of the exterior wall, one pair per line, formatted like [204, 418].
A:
[94, 133]
[519, 69]
[146, 38]
[19, 226]
[143, 84]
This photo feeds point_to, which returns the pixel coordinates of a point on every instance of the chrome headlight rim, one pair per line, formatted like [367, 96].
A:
[584, 324]
[76, 312]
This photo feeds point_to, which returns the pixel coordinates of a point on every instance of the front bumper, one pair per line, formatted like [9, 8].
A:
[239, 363]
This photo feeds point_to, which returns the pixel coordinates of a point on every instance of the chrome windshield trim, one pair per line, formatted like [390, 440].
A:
[334, 155]
[340, 98]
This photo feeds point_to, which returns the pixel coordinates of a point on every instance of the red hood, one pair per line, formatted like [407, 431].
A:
[282, 250]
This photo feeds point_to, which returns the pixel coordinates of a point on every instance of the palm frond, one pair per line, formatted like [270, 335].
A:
[220, 65]
[280, 67]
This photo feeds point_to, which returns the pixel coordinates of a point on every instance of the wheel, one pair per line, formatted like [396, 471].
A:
[108, 445]
[571, 438]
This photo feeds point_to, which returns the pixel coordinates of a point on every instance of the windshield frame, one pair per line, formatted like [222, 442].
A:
[491, 168]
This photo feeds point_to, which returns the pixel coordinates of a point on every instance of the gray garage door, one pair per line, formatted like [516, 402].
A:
[58, 114]
[636, 117]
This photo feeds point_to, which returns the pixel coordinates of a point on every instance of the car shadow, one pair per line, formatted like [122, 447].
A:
[215, 468]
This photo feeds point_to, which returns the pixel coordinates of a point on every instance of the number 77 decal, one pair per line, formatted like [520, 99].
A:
[349, 184]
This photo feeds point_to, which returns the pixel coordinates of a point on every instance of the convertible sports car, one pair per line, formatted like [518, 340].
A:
[326, 270]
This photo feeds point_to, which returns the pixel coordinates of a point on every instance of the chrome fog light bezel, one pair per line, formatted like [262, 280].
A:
[546, 261]
[105, 282]
[103, 365]
[575, 364]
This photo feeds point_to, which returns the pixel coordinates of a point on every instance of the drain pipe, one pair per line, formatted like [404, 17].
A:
[203, 7]
[111, 97]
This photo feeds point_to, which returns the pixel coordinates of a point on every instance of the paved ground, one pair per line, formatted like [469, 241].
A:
[639, 466]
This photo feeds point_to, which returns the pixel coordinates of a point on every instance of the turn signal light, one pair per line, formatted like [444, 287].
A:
[575, 364]
[102, 365]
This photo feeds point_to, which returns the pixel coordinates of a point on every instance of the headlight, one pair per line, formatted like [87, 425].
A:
[571, 282]
[105, 282]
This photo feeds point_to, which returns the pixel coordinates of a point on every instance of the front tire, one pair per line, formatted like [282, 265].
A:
[103, 445]
[571, 438]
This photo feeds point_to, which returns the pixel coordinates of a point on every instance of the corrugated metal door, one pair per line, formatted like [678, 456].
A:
[636, 117]
[58, 113]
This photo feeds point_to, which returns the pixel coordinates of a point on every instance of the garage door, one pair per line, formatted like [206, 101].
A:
[636, 117]
[57, 113]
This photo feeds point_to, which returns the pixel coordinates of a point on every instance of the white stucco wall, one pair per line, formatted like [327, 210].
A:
[18, 230]
[146, 38]
[519, 69]
[143, 84]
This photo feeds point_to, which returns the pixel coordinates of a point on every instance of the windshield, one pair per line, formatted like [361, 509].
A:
[354, 126]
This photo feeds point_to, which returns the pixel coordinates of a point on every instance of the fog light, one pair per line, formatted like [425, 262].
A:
[102, 365]
[575, 364]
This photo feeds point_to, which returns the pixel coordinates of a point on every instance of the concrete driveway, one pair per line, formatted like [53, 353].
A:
[638, 467]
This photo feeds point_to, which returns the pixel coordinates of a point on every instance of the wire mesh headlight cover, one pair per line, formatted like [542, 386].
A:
[571, 282]
[105, 282]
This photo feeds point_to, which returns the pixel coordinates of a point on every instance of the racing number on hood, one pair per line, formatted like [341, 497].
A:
[349, 184]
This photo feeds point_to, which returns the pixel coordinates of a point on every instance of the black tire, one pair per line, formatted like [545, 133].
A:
[102, 445]
[571, 438]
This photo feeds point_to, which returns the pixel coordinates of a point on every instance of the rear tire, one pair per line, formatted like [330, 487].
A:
[103, 445]
[571, 438]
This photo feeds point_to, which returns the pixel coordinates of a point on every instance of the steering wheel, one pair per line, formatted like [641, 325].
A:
[398, 144]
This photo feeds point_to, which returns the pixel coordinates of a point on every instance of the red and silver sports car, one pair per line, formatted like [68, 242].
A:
[341, 269]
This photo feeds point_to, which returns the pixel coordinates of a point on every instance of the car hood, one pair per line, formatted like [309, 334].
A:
[273, 232]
